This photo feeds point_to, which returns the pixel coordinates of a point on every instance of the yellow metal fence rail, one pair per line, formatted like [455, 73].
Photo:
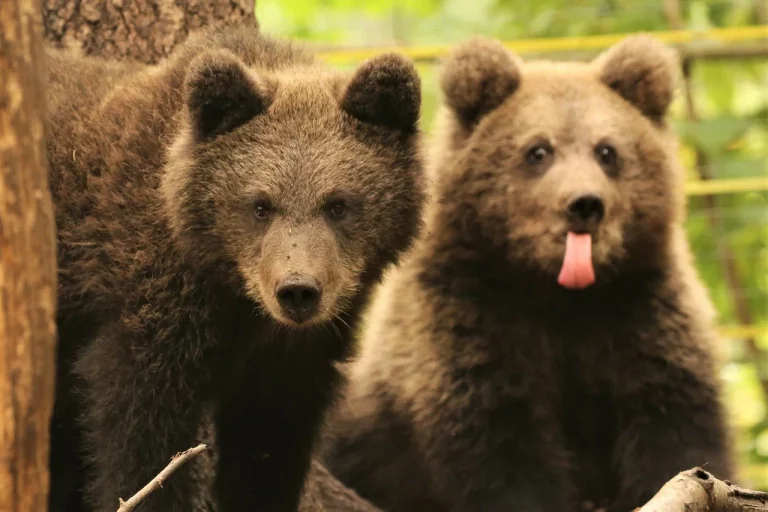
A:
[736, 331]
[562, 44]
[725, 186]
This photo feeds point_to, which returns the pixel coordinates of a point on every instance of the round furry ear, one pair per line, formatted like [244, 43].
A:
[643, 71]
[386, 91]
[221, 93]
[477, 77]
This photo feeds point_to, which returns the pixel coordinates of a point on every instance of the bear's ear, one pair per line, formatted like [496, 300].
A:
[643, 71]
[385, 91]
[477, 77]
[221, 94]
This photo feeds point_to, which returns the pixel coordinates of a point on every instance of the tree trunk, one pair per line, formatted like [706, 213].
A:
[27, 265]
[143, 30]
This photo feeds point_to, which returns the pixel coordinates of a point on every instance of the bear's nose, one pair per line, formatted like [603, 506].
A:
[299, 296]
[587, 207]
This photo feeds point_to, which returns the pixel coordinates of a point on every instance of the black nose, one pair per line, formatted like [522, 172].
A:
[587, 207]
[299, 297]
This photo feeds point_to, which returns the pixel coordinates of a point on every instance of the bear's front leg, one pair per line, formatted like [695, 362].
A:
[141, 407]
[496, 459]
[664, 428]
[265, 430]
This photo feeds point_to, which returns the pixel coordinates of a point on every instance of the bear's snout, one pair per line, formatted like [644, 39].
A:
[585, 212]
[299, 296]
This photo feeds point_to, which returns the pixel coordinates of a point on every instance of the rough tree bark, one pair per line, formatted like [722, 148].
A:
[27, 265]
[144, 30]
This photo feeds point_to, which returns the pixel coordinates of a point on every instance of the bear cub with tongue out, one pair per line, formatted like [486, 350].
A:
[546, 344]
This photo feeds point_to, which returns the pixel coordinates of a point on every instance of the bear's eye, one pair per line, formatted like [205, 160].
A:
[262, 211]
[337, 209]
[539, 155]
[607, 156]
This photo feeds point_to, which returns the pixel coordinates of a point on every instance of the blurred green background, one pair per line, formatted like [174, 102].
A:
[723, 128]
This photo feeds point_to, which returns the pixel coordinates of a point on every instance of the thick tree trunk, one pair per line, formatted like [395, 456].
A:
[27, 265]
[144, 30]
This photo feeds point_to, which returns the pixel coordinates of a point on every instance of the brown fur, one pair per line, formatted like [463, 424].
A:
[168, 280]
[484, 385]
[324, 493]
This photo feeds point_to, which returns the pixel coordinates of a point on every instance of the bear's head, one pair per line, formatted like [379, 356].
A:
[565, 169]
[300, 182]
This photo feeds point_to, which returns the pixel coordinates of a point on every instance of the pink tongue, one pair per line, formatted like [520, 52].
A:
[577, 271]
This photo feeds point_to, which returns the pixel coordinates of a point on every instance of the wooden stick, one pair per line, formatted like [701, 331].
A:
[177, 461]
[697, 490]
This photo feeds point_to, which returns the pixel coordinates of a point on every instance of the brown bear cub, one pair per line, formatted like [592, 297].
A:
[323, 492]
[222, 217]
[547, 343]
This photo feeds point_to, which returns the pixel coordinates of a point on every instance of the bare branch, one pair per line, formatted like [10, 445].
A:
[697, 490]
[177, 461]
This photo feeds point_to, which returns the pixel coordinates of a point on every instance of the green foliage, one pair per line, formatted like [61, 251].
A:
[714, 135]
[731, 99]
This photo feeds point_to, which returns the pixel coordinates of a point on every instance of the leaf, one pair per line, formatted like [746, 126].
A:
[718, 84]
[728, 165]
[713, 136]
[699, 16]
